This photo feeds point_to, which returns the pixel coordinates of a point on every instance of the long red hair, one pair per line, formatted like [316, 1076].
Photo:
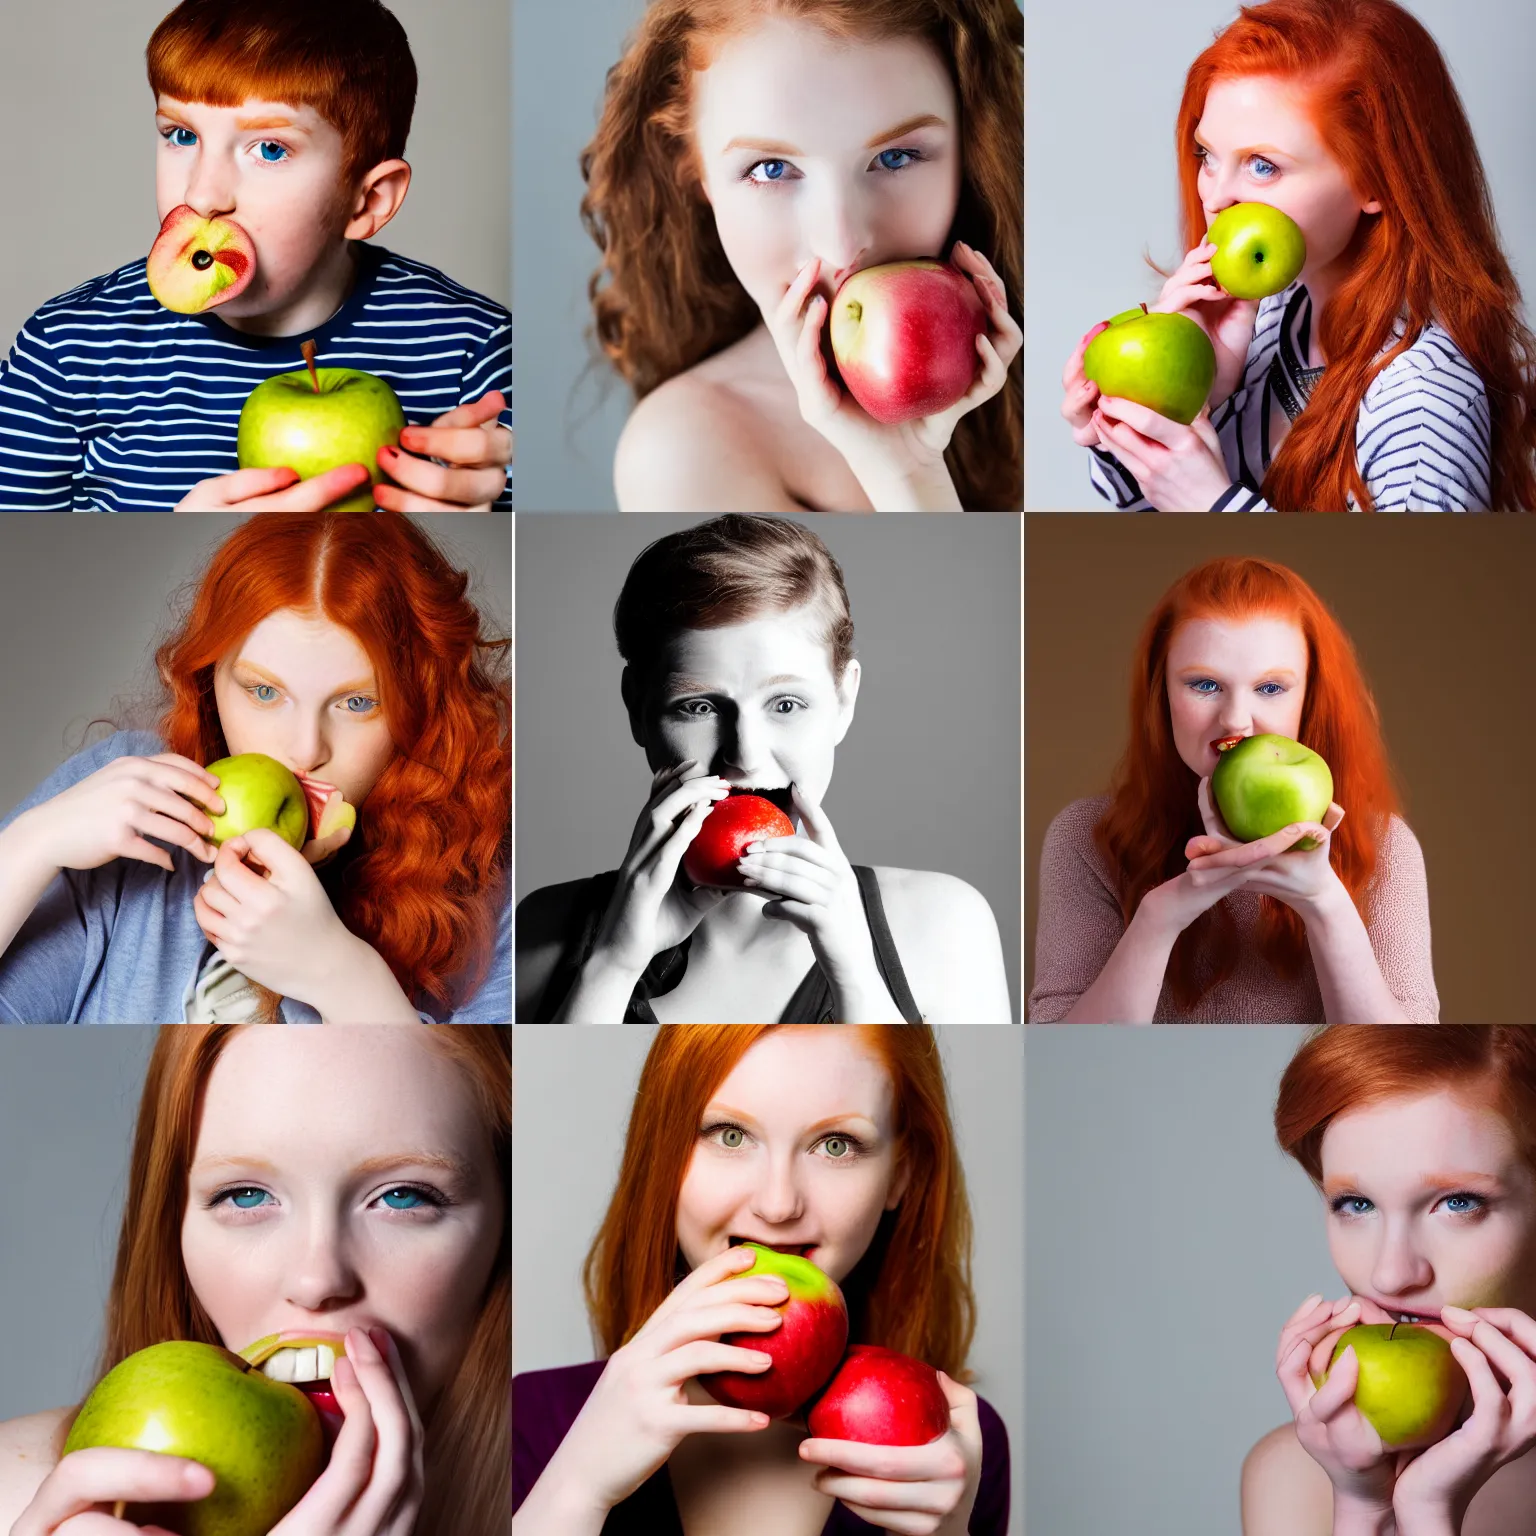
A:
[1381, 98]
[1343, 1066]
[664, 296]
[911, 1292]
[423, 875]
[467, 1431]
[1153, 812]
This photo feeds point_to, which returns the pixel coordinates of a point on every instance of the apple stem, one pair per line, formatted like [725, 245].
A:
[1393, 1329]
[308, 349]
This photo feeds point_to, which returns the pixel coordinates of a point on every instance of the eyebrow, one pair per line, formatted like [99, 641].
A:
[1200, 670]
[839, 1119]
[1448, 1179]
[243, 124]
[277, 682]
[778, 147]
[445, 1162]
[1254, 149]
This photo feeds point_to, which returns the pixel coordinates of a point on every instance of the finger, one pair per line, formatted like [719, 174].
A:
[886, 1499]
[137, 848]
[1488, 1400]
[795, 295]
[225, 491]
[108, 1475]
[173, 829]
[785, 881]
[888, 1463]
[700, 1419]
[474, 413]
[723, 1266]
[1338, 1391]
[1513, 1363]
[810, 359]
[709, 1322]
[351, 1465]
[390, 498]
[1142, 420]
[190, 779]
[704, 1357]
[392, 1471]
[466, 447]
[459, 488]
[1517, 1324]
[1333, 816]
[217, 900]
[313, 495]
[241, 882]
[817, 824]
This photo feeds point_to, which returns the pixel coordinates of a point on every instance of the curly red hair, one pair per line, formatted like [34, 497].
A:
[664, 296]
[1153, 813]
[424, 873]
[1382, 100]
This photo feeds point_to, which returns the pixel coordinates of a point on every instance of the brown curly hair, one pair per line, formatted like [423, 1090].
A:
[664, 296]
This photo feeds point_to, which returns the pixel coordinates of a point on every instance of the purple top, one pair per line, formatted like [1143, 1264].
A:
[545, 1405]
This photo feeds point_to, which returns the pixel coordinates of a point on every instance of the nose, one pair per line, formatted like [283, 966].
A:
[319, 1273]
[744, 747]
[211, 186]
[1236, 717]
[308, 746]
[777, 1200]
[838, 227]
[1399, 1269]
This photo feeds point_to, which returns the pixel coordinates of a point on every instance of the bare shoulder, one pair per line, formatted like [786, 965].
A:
[29, 1451]
[695, 445]
[1285, 1492]
[947, 937]
[541, 931]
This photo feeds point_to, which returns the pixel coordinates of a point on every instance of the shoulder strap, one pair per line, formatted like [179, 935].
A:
[886, 957]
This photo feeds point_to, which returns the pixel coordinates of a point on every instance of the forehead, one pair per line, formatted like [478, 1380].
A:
[1257, 109]
[738, 658]
[790, 80]
[311, 638]
[1255, 644]
[1407, 1137]
[802, 1074]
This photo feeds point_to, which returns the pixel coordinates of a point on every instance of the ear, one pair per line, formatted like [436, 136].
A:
[1374, 206]
[629, 689]
[378, 199]
[847, 697]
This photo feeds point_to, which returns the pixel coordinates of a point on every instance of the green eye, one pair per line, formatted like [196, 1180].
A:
[731, 1137]
[836, 1146]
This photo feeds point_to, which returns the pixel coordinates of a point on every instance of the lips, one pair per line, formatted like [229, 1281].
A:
[798, 1250]
[1226, 743]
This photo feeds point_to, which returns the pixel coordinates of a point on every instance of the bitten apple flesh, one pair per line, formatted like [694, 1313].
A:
[197, 264]
[718, 845]
[904, 337]
[880, 1397]
[805, 1347]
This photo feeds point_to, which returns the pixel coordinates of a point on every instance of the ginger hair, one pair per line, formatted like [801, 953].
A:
[664, 296]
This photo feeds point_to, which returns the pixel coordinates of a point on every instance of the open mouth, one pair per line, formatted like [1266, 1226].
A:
[781, 797]
[304, 1361]
[1226, 743]
[798, 1250]
[1412, 1317]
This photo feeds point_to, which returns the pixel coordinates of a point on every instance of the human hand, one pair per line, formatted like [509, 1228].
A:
[1229, 322]
[1081, 393]
[374, 1481]
[651, 909]
[76, 1497]
[111, 813]
[920, 1489]
[1496, 1347]
[277, 926]
[1179, 468]
[639, 1413]
[274, 490]
[475, 450]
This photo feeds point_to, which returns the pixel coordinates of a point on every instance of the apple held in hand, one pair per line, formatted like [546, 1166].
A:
[1263, 783]
[712, 856]
[1164, 362]
[880, 1397]
[904, 336]
[315, 421]
[1411, 1387]
[259, 792]
[196, 264]
[260, 1438]
[805, 1347]
[1261, 250]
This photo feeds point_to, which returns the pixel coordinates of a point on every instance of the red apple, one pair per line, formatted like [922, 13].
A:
[904, 336]
[713, 854]
[805, 1347]
[196, 264]
[881, 1398]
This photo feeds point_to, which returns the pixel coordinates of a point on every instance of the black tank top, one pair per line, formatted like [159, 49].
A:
[811, 1004]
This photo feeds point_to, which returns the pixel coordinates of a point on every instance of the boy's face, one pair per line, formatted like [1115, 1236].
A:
[275, 170]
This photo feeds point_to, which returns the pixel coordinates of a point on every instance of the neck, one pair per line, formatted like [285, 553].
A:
[327, 290]
[738, 924]
[1321, 287]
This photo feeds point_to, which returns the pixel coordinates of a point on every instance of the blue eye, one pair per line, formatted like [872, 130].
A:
[1257, 161]
[897, 159]
[1276, 687]
[273, 159]
[237, 1196]
[361, 698]
[260, 689]
[1464, 1204]
[1352, 1205]
[175, 137]
[773, 171]
[1205, 686]
[409, 1194]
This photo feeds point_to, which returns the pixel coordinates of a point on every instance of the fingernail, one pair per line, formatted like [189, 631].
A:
[196, 1477]
[1459, 1311]
[360, 1345]
[1312, 1300]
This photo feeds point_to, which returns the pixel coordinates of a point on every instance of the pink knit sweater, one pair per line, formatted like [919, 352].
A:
[1080, 924]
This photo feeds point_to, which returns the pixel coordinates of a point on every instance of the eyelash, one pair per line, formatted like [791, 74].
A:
[1204, 693]
[252, 688]
[856, 1148]
[914, 157]
[168, 134]
[1337, 1204]
[1203, 155]
[434, 1198]
[685, 709]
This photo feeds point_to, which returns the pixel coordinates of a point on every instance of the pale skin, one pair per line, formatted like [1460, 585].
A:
[278, 171]
[1256, 144]
[796, 1148]
[1227, 678]
[818, 158]
[376, 1220]
[755, 705]
[1431, 1212]
[300, 689]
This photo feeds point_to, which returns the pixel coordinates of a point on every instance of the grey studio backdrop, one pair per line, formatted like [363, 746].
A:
[1102, 90]
[1169, 1240]
[569, 424]
[561, 1184]
[928, 775]
[85, 602]
[68, 1099]
[80, 201]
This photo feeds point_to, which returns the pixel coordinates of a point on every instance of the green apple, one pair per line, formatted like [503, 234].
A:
[259, 792]
[1263, 783]
[260, 1438]
[318, 420]
[1410, 1387]
[1262, 251]
[1164, 362]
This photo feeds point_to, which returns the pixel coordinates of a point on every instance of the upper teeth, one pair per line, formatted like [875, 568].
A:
[314, 1363]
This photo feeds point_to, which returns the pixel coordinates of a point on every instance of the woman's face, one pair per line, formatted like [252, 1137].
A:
[796, 1150]
[815, 147]
[755, 703]
[343, 1178]
[301, 689]
[1260, 147]
[1430, 1204]
[1228, 678]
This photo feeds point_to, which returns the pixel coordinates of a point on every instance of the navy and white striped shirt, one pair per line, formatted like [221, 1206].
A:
[110, 403]
[1424, 435]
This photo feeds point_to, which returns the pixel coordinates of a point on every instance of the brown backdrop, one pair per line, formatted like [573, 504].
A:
[1442, 610]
